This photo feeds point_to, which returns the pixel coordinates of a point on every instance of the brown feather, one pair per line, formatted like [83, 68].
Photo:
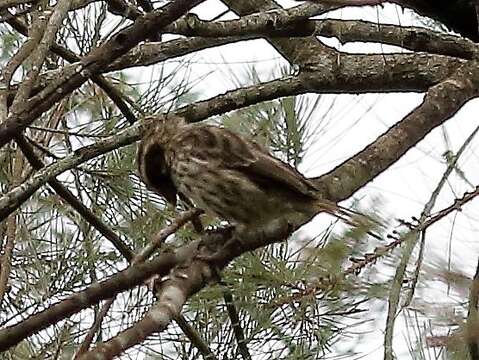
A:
[251, 159]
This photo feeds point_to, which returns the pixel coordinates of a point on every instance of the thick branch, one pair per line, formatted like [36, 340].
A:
[278, 24]
[151, 53]
[351, 74]
[441, 102]
[408, 37]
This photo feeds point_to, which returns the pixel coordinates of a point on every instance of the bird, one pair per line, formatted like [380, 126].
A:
[225, 174]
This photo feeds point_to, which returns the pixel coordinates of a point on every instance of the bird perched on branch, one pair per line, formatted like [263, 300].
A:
[225, 174]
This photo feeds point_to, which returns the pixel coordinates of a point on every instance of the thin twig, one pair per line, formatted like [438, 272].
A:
[37, 57]
[160, 237]
[472, 317]
[195, 338]
[236, 324]
[71, 199]
[11, 227]
[380, 251]
[452, 165]
[85, 345]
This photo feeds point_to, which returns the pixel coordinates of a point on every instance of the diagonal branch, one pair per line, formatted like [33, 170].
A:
[133, 276]
[235, 323]
[440, 103]
[379, 252]
[93, 64]
[113, 93]
[37, 57]
[71, 199]
[195, 338]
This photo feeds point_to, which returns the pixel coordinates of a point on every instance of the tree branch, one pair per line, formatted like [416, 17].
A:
[93, 64]
[441, 102]
[71, 199]
[281, 24]
[235, 323]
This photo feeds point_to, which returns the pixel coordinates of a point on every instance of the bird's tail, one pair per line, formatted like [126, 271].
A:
[349, 216]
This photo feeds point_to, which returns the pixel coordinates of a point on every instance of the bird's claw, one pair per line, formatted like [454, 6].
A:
[213, 258]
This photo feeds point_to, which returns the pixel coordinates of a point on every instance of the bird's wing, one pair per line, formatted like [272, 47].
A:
[223, 149]
[277, 172]
[232, 151]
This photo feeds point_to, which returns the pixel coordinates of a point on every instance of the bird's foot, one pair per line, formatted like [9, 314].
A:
[220, 254]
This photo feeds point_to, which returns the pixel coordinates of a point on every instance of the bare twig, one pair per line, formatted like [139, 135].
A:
[24, 51]
[37, 57]
[15, 177]
[473, 318]
[195, 338]
[160, 238]
[113, 93]
[6, 259]
[359, 264]
[397, 282]
[94, 328]
[236, 324]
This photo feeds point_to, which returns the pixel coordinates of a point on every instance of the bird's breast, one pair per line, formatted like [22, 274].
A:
[225, 193]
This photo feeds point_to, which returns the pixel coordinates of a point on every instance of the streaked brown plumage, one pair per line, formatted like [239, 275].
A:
[224, 174]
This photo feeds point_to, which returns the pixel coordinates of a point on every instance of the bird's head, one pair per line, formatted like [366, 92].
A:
[151, 161]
